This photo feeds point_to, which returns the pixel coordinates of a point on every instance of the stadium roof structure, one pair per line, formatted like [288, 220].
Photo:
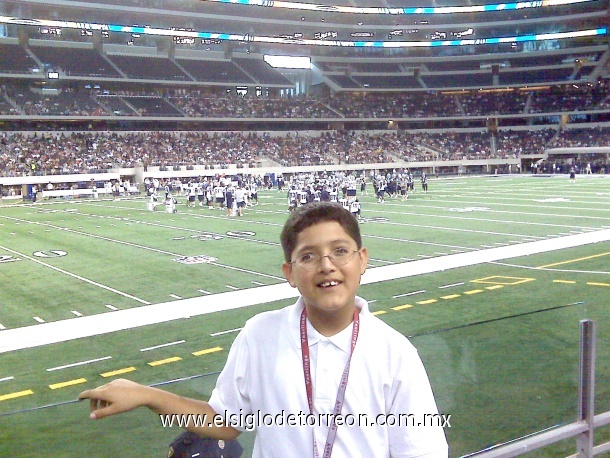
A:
[309, 27]
[353, 44]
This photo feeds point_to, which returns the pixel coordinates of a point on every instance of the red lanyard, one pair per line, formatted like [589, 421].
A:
[332, 431]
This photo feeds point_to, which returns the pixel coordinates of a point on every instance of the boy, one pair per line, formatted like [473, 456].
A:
[325, 357]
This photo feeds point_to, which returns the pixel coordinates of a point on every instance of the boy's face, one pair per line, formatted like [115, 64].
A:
[326, 287]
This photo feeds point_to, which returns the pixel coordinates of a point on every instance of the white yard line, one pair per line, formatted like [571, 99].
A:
[409, 294]
[80, 363]
[169, 344]
[228, 331]
[197, 231]
[547, 269]
[418, 242]
[463, 203]
[457, 229]
[59, 331]
[78, 277]
[462, 216]
[86, 234]
[246, 271]
[451, 285]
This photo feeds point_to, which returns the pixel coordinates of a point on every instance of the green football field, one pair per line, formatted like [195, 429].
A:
[488, 276]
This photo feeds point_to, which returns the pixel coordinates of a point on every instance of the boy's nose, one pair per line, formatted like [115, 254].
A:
[325, 264]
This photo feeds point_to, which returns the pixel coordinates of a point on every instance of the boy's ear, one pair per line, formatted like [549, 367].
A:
[364, 260]
[287, 270]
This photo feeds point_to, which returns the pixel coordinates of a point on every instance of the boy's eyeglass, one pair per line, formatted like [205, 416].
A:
[339, 257]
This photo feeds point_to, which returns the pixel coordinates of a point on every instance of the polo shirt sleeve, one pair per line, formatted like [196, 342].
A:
[423, 435]
[230, 396]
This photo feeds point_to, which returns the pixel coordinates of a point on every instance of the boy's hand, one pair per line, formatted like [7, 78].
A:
[116, 397]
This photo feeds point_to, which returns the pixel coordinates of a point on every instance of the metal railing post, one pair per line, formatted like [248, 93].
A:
[586, 397]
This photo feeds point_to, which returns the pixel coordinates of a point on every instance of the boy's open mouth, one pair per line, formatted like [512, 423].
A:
[328, 284]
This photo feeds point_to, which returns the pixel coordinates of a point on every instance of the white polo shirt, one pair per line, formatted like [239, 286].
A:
[263, 385]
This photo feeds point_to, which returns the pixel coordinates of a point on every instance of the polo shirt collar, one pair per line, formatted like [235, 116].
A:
[340, 340]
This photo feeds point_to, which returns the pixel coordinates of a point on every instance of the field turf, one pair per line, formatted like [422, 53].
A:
[499, 339]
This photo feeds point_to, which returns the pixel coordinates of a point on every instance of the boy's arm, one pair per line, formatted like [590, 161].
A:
[122, 395]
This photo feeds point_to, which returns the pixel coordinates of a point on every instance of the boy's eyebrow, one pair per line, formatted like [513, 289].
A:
[332, 242]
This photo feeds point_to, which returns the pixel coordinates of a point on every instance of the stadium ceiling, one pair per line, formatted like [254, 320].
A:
[344, 23]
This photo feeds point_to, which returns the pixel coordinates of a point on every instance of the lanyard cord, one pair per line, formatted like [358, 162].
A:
[332, 431]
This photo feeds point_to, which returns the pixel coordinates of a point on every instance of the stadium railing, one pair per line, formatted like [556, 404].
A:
[583, 428]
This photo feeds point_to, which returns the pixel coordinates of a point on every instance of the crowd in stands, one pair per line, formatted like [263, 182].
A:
[515, 143]
[453, 146]
[90, 152]
[574, 138]
[197, 104]
[570, 98]
[21, 100]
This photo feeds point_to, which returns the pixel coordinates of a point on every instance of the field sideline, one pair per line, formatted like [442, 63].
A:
[60, 331]
[489, 275]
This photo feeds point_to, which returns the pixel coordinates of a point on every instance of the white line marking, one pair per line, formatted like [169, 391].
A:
[258, 283]
[244, 270]
[440, 253]
[107, 239]
[425, 256]
[111, 307]
[177, 342]
[78, 277]
[6, 379]
[204, 291]
[77, 313]
[409, 294]
[417, 242]
[449, 286]
[406, 259]
[234, 288]
[40, 320]
[602, 272]
[454, 229]
[372, 301]
[81, 363]
[381, 260]
[225, 332]
[175, 296]
[488, 246]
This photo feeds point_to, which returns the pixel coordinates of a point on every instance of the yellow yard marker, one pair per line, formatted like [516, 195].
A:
[118, 372]
[77, 381]
[18, 394]
[597, 284]
[379, 312]
[474, 291]
[165, 361]
[569, 282]
[574, 260]
[429, 301]
[503, 280]
[451, 296]
[494, 287]
[402, 307]
[206, 351]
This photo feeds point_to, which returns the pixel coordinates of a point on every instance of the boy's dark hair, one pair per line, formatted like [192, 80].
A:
[313, 213]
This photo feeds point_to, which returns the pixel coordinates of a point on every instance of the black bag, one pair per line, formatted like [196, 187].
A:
[190, 445]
